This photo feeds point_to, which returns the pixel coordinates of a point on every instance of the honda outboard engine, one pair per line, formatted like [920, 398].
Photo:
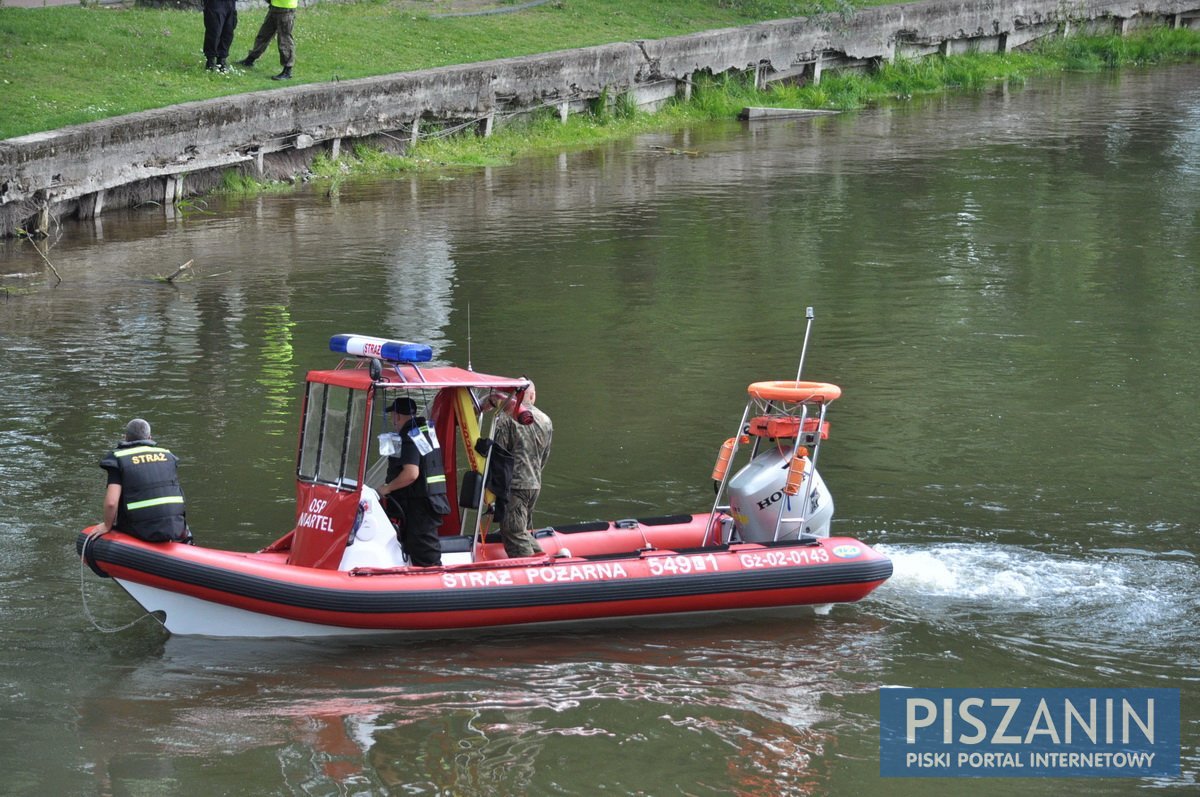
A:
[756, 493]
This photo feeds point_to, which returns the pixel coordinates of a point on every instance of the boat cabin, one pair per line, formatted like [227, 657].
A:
[345, 436]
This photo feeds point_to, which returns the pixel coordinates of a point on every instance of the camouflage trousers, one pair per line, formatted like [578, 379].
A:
[518, 518]
[279, 23]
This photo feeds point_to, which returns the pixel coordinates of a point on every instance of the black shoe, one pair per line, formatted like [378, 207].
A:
[210, 64]
[286, 74]
[246, 62]
[222, 66]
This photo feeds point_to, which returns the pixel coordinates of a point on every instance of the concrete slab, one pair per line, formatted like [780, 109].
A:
[760, 114]
[110, 163]
[36, 3]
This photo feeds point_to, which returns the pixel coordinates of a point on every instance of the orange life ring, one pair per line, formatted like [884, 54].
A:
[819, 392]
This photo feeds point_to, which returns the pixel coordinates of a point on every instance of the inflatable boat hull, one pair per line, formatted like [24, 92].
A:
[211, 592]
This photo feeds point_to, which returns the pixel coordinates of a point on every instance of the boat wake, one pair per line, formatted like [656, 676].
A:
[1114, 599]
[993, 574]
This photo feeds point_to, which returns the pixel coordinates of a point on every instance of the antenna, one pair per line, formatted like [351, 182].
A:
[808, 313]
[469, 368]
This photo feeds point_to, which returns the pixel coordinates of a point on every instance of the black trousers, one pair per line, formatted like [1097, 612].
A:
[220, 20]
[419, 529]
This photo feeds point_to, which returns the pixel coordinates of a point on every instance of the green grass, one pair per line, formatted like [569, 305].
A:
[67, 65]
[723, 96]
[1154, 46]
[63, 66]
[234, 183]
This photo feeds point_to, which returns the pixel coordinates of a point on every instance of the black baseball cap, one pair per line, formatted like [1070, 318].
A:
[403, 405]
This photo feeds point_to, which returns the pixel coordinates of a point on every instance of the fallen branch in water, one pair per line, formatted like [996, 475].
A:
[57, 276]
[673, 151]
[179, 271]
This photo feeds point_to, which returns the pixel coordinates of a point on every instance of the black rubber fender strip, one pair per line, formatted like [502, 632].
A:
[423, 601]
[85, 547]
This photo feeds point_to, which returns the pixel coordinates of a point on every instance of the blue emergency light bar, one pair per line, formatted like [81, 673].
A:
[393, 351]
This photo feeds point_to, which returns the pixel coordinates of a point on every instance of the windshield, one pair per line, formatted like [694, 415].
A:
[331, 442]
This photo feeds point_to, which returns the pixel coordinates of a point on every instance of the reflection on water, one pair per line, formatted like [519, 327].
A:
[278, 367]
[1006, 289]
[419, 286]
[747, 705]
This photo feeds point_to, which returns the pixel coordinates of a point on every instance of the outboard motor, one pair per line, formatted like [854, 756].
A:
[756, 495]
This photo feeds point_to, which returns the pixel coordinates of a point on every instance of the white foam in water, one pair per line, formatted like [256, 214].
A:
[1091, 603]
[994, 573]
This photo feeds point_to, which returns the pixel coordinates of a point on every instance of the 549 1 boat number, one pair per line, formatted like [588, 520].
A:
[777, 558]
[682, 565]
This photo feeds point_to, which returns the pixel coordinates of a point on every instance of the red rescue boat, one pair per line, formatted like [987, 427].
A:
[764, 544]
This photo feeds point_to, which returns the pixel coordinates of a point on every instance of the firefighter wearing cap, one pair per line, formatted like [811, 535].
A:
[143, 497]
[414, 492]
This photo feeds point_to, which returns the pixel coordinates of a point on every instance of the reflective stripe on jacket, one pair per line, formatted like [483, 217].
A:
[433, 467]
[152, 506]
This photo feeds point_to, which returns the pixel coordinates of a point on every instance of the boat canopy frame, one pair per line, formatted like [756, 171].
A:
[360, 382]
[344, 407]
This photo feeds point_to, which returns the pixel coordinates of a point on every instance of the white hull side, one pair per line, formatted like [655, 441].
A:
[187, 616]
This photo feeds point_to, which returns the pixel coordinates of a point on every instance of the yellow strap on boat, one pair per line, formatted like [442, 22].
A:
[468, 425]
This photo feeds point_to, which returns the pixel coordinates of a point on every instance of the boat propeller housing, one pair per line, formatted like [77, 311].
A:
[755, 493]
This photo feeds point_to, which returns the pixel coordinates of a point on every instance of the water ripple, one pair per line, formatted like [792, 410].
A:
[1103, 608]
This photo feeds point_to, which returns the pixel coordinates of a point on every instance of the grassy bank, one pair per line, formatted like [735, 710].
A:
[62, 66]
[68, 65]
[722, 97]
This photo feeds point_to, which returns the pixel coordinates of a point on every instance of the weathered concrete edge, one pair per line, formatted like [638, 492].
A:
[70, 171]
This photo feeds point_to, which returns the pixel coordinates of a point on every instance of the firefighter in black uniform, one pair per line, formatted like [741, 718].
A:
[143, 497]
[414, 492]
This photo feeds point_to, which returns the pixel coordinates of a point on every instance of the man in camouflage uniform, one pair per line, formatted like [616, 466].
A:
[530, 448]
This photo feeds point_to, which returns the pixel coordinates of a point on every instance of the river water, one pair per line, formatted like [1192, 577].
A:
[1005, 286]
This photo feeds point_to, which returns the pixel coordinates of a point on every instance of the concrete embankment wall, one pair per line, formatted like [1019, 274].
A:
[168, 154]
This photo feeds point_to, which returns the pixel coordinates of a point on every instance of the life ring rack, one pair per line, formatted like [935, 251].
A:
[795, 392]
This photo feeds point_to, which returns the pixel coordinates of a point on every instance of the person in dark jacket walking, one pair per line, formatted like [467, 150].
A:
[143, 497]
[280, 21]
[220, 21]
[414, 490]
